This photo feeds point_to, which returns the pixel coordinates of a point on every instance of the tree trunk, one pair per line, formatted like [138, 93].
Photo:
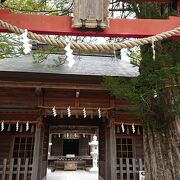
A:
[162, 149]
[162, 152]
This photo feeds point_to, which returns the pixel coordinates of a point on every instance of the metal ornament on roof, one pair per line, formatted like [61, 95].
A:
[90, 14]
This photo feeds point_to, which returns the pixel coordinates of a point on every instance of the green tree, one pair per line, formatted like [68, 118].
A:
[155, 93]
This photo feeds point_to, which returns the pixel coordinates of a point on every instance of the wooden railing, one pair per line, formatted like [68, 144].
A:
[128, 168]
[15, 169]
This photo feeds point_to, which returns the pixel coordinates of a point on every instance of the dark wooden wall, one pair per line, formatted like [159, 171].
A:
[21, 102]
[18, 97]
[139, 149]
[84, 147]
[6, 142]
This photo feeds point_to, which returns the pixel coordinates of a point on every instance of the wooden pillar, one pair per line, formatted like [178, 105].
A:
[102, 151]
[178, 7]
[37, 155]
[111, 153]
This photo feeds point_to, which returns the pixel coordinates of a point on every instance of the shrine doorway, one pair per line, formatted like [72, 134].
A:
[69, 153]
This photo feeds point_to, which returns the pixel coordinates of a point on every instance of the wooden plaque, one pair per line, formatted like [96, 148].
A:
[91, 11]
[70, 166]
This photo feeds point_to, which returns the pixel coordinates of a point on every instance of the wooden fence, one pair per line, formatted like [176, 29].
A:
[128, 168]
[15, 169]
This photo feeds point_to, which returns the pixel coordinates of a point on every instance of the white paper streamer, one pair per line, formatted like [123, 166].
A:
[54, 111]
[99, 112]
[84, 113]
[153, 50]
[17, 126]
[26, 42]
[27, 125]
[69, 54]
[69, 111]
[122, 127]
[2, 126]
[133, 128]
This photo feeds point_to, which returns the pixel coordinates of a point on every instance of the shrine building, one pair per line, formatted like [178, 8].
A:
[50, 113]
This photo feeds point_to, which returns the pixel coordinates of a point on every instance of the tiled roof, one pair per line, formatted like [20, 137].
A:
[84, 65]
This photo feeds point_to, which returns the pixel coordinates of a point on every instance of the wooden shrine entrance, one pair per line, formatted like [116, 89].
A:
[29, 103]
[69, 147]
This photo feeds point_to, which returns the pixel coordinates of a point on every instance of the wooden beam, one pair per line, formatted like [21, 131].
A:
[61, 25]
[78, 86]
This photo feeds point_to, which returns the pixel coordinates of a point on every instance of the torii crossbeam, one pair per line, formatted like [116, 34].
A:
[61, 25]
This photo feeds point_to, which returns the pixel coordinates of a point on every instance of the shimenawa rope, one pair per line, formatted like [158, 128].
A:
[85, 47]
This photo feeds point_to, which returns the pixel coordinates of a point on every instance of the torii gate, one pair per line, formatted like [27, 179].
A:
[62, 25]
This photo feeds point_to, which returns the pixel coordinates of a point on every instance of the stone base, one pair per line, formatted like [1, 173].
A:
[94, 169]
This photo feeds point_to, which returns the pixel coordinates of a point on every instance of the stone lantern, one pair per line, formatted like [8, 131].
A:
[94, 153]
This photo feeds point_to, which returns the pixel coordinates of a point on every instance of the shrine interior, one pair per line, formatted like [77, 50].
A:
[69, 147]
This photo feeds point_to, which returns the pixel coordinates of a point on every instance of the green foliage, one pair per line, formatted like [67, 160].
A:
[155, 92]
[152, 91]
[27, 6]
[10, 46]
[40, 7]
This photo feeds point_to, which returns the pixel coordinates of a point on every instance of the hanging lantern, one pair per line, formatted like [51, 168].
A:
[90, 14]
[9, 128]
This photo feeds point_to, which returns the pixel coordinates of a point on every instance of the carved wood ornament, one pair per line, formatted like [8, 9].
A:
[90, 14]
